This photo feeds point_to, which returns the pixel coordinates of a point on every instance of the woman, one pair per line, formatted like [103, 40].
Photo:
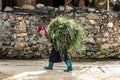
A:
[55, 55]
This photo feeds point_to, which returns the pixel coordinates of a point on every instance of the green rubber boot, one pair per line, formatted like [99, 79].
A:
[69, 65]
[50, 66]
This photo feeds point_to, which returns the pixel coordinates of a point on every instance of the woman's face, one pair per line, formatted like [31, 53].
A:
[42, 32]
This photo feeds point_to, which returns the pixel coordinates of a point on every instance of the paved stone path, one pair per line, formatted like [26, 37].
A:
[33, 70]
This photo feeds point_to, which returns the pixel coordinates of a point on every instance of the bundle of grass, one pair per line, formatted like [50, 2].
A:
[65, 33]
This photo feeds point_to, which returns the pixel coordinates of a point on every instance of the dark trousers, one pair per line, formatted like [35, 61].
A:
[58, 55]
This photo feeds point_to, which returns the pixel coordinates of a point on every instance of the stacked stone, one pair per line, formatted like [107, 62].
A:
[6, 33]
[102, 34]
[20, 40]
[28, 45]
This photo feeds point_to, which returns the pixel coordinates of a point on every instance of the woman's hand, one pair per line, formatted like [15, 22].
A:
[49, 44]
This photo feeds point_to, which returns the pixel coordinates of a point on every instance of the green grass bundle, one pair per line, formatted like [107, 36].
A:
[65, 33]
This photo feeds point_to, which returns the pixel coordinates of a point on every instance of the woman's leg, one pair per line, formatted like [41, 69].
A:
[53, 58]
[67, 61]
[69, 65]
[50, 65]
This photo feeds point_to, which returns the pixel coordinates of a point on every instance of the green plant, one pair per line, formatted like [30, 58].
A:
[65, 33]
[102, 3]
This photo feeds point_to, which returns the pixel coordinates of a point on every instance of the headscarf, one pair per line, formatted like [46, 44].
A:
[41, 27]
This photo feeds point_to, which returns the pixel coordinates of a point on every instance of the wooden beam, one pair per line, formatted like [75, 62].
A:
[67, 2]
[108, 5]
[81, 3]
[0, 4]
[25, 2]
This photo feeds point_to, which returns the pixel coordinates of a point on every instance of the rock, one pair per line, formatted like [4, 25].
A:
[105, 40]
[68, 9]
[11, 56]
[1, 23]
[91, 9]
[89, 53]
[19, 45]
[111, 30]
[6, 24]
[56, 9]
[110, 24]
[50, 8]
[115, 15]
[61, 8]
[106, 34]
[6, 43]
[37, 54]
[82, 20]
[118, 39]
[28, 7]
[88, 27]
[98, 53]
[9, 9]
[79, 10]
[28, 56]
[92, 16]
[1, 45]
[101, 56]
[99, 40]
[92, 22]
[91, 40]
[41, 8]
[40, 5]
[22, 35]
[105, 46]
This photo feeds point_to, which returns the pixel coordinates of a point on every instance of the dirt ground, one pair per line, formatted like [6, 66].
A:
[83, 70]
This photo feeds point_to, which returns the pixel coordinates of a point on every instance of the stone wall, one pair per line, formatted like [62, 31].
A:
[19, 39]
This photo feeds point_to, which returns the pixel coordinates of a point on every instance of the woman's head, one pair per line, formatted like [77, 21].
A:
[41, 29]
